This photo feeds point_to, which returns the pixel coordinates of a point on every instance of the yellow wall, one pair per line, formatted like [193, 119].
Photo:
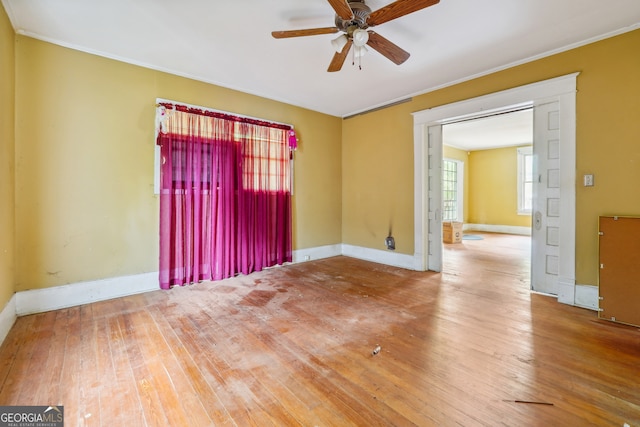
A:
[453, 153]
[7, 98]
[377, 179]
[85, 207]
[490, 186]
[378, 147]
[493, 188]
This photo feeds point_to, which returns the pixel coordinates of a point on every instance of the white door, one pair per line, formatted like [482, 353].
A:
[545, 249]
[434, 198]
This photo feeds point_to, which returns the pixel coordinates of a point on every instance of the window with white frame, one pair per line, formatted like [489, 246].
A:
[452, 190]
[525, 180]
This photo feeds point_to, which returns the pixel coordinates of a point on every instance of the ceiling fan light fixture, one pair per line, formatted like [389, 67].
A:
[339, 43]
[360, 37]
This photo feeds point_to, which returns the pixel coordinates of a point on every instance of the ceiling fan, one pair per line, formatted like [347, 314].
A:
[354, 18]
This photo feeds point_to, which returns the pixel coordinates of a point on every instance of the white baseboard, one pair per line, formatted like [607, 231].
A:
[506, 229]
[319, 252]
[382, 257]
[47, 299]
[587, 296]
[374, 255]
[566, 290]
[7, 318]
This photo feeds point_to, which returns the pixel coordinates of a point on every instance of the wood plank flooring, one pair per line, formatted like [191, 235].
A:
[292, 346]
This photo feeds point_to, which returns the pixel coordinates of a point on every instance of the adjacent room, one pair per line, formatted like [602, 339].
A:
[235, 213]
[487, 179]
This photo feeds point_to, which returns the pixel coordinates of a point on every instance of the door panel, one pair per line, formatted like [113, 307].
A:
[434, 198]
[545, 251]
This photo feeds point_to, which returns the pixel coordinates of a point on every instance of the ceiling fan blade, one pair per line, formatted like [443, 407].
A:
[339, 58]
[397, 9]
[393, 52]
[302, 33]
[342, 8]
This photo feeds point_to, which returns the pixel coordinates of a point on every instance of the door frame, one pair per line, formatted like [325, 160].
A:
[561, 89]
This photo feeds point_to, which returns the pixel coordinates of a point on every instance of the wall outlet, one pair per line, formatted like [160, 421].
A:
[588, 180]
[390, 242]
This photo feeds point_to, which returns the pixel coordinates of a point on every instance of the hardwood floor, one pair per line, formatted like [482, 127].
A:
[293, 346]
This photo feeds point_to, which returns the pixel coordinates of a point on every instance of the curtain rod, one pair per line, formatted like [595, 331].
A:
[161, 101]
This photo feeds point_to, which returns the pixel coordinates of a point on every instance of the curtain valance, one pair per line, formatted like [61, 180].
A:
[225, 116]
[165, 110]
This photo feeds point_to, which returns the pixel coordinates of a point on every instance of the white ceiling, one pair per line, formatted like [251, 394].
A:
[229, 43]
[503, 130]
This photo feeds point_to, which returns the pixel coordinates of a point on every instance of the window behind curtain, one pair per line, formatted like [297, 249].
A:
[225, 197]
[267, 164]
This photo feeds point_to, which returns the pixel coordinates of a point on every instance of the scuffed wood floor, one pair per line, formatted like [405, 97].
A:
[293, 346]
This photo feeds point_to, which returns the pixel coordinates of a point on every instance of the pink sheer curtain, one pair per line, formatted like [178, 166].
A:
[225, 201]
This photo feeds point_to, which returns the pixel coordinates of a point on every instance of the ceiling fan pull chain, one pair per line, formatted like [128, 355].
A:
[353, 57]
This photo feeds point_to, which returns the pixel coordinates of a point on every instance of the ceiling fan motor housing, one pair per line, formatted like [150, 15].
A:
[360, 14]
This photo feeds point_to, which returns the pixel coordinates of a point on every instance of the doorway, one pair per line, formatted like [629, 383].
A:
[557, 235]
[487, 185]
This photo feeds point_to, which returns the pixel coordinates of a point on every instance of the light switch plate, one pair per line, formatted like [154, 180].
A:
[588, 180]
